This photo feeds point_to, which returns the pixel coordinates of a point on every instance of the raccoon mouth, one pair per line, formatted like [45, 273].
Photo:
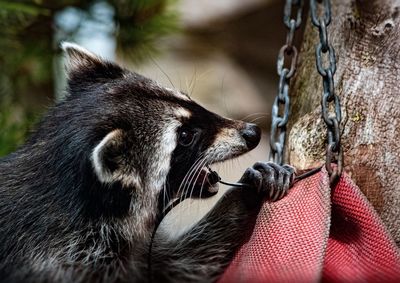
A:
[205, 184]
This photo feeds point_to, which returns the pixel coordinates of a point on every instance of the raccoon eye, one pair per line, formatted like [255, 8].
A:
[186, 137]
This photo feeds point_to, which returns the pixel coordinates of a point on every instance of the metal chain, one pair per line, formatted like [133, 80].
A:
[288, 53]
[332, 119]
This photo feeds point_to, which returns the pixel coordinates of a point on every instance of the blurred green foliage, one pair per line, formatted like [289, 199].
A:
[29, 40]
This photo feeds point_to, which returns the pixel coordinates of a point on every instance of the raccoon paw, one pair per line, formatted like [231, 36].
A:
[270, 179]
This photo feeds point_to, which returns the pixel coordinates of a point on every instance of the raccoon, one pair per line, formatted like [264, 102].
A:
[79, 200]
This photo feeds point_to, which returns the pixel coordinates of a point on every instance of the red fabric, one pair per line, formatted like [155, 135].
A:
[314, 235]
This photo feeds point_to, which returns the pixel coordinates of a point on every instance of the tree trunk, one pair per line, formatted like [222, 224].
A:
[365, 35]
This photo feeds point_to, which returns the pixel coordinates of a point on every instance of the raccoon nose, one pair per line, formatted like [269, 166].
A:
[252, 135]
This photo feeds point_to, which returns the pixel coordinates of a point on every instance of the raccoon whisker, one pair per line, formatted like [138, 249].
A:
[262, 114]
[197, 177]
[165, 74]
[192, 83]
[164, 195]
[202, 185]
[194, 173]
[183, 182]
[165, 201]
[187, 175]
[235, 163]
[256, 119]
[223, 95]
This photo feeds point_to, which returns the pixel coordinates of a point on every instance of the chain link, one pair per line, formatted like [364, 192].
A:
[332, 119]
[287, 54]
[324, 52]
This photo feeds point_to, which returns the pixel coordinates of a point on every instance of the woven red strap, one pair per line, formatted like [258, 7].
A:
[311, 236]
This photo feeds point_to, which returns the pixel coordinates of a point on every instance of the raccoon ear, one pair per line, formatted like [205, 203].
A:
[83, 65]
[108, 159]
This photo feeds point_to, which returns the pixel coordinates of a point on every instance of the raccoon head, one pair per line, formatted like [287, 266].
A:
[144, 136]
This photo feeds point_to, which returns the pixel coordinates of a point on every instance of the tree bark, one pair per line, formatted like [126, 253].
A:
[365, 35]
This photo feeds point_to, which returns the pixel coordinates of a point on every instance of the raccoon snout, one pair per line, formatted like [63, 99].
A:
[251, 133]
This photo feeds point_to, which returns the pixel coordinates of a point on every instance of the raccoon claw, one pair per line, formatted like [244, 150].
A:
[270, 179]
[253, 178]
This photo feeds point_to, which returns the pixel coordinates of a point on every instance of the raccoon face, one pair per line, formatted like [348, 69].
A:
[203, 139]
[145, 136]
